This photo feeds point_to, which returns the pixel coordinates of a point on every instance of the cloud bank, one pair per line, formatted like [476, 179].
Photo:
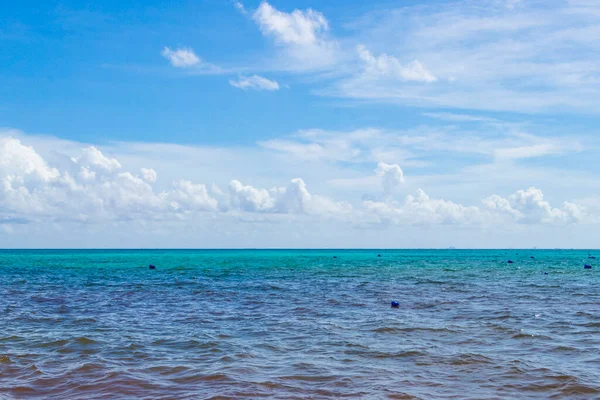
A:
[92, 187]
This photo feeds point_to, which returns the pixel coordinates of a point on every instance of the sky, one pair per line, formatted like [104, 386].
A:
[299, 124]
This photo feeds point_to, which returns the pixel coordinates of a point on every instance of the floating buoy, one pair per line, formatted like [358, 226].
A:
[151, 266]
[587, 266]
[545, 273]
[532, 257]
[592, 257]
[510, 261]
[334, 256]
[395, 304]
[378, 255]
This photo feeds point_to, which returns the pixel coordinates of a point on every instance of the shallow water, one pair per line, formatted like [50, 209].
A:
[299, 324]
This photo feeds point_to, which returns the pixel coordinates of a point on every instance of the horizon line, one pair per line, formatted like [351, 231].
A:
[299, 248]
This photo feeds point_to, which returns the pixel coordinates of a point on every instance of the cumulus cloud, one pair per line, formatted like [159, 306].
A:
[148, 174]
[181, 58]
[293, 198]
[254, 82]
[388, 66]
[94, 188]
[301, 33]
[391, 175]
[92, 159]
[22, 162]
[522, 207]
[421, 209]
[529, 206]
[91, 188]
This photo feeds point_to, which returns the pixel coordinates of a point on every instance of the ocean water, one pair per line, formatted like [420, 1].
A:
[299, 324]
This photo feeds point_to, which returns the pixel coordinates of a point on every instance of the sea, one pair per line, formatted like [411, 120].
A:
[299, 324]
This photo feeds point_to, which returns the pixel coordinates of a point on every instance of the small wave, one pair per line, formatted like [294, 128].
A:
[85, 321]
[471, 359]
[564, 348]
[310, 378]
[522, 335]
[578, 389]
[388, 329]
[430, 282]
[87, 368]
[167, 370]
[53, 343]
[12, 338]
[591, 325]
[202, 378]
[384, 355]
[23, 390]
[84, 341]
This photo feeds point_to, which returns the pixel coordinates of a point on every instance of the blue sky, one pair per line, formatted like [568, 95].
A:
[299, 123]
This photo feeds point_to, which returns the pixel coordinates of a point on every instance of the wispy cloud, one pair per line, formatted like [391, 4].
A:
[415, 147]
[182, 57]
[453, 117]
[490, 55]
[240, 7]
[302, 35]
[254, 82]
[388, 66]
[186, 59]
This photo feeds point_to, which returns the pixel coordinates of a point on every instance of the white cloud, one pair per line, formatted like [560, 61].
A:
[503, 142]
[453, 117]
[92, 159]
[254, 82]
[93, 188]
[421, 209]
[240, 7]
[182, 57]
[250, 199]
[299, 27]
[522, 207]
[388, 66]
[22, 162]
[90, 189]
[529, 206]
[391, 175]
[148, 174]
[513, 3]
[517, 56]
[303, 34]
[190, 196]
[294, 198]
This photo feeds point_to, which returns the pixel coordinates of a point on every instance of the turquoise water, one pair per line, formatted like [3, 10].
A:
[299, 324]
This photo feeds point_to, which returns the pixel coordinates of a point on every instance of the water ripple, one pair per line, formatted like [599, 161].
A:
[298, 324]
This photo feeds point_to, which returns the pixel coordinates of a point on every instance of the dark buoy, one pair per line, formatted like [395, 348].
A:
[592, 257]
[151, 266]
[510, 261]
[587, 266]
[334, 256]
[395, 304]
[532, 257]
[545, 273]
[378, 255]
